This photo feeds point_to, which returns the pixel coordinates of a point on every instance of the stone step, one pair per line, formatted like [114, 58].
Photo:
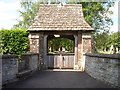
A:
[24, 74]
[64, 70]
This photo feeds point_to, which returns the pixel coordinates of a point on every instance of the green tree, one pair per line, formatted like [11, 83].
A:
[101, 41]
[95, 13]
[114, 40]
[28, 13]
[57, 43]
[105, 40]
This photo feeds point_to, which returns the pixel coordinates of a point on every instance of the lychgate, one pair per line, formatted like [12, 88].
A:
[58, 22]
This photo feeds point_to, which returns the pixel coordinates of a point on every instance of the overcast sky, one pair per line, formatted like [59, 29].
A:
[9, 14]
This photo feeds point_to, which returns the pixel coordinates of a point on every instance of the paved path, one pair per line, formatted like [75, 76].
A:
[52, 79]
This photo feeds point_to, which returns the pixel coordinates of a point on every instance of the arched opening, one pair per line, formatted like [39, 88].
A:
[60, 51]
[57, 44]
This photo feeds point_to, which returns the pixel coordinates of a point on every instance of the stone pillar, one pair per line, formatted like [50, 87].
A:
[36, 45]
[86, 48]
[34, 42]
[87, 44]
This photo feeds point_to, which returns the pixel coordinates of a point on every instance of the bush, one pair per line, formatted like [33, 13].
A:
[14, 41]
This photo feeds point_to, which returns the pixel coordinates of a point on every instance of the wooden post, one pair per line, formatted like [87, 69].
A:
[76, 51]
[60, 61]
[41, 40]
[45, 51]
[79, 45]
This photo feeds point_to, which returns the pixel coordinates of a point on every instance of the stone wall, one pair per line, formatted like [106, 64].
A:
[34, 62]
[87, 43]
[11, 66]
[36, 41]
[29, 61]
[84, 46]
[103, 67]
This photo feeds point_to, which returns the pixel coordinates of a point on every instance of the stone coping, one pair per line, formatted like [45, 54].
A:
[9, 56]
[30, 54]
[112, 56]
[16, 56]
[64, 54]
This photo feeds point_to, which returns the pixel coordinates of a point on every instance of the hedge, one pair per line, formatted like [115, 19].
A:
[14, 41]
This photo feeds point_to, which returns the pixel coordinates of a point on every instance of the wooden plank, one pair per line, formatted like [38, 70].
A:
[60, 33]
[59, 61]
[51, 61]
[68, 61]
[56, 61]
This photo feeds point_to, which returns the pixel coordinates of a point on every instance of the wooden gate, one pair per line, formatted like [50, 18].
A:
[60, 61]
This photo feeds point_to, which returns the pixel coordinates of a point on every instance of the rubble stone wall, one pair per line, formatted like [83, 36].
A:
[104, 67]
[11, 67]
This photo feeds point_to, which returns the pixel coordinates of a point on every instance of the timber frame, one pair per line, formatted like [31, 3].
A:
[70, 22]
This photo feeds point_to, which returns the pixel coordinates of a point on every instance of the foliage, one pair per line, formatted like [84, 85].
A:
[57, 43]
[28, 13]
[67, 44]
[104, 41]
[14, 41]
[114, 40]
[95, 13]
[101, 40]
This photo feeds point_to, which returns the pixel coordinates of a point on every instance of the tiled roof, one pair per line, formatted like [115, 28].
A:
[56, 17]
